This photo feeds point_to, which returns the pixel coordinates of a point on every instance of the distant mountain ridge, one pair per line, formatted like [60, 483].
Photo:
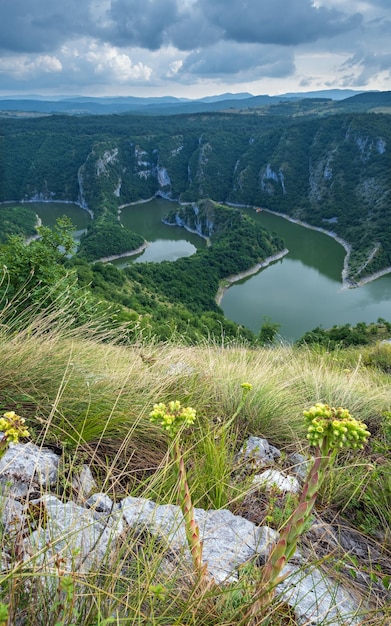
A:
[333, 94]
[168, 105]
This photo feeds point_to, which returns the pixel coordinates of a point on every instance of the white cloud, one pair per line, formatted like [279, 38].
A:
[174, 68]
[110, 62]
[49, 63]
[266, 46]
[23, 66]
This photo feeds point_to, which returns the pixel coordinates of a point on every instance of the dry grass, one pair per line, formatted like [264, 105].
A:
[90, 394]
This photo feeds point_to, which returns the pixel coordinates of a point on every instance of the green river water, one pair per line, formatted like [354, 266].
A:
[301, 291]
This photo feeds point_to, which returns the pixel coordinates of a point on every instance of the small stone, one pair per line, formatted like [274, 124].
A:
[26, 467]
[101, 503]
[84, 482]
[299, 465]
[12, 514]
[180, 369]
[258, 453]
[273, 478]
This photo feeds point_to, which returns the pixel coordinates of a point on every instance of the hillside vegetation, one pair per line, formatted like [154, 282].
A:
[88, 393]
[330, 171]
[87, 350]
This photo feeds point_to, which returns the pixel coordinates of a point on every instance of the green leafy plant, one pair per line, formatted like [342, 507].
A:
[3, 614]
[329, 429]
[12, 427]
[173, 418]
[217, 450]
[66, 599]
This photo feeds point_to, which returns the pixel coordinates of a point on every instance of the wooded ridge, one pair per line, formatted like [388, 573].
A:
[332, 172]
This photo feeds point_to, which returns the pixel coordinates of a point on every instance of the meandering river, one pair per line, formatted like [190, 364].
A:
[300, 291]
[304, 289]
[165, 243]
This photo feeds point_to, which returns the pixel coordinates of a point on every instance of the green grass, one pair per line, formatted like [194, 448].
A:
[90, 394]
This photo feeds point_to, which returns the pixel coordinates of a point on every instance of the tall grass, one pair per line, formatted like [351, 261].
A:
[89, 393]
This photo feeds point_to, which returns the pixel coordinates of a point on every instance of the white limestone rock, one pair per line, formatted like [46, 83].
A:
[84, 483]
[318, 600]
[26, 467]
[257, 452]
[270, 479]
[228, 540]
[72, 531]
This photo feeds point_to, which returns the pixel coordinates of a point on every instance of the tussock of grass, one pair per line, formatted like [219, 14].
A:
[90, 394]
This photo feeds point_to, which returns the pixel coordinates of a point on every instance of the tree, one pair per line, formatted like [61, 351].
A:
[35, 272]
[268, 332]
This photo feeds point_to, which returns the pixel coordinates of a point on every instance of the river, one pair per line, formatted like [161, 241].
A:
[300, 291]
[49, 212]
[304, 289]
[165, 243]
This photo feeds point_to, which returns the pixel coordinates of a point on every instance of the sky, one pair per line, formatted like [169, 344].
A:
[193, 48]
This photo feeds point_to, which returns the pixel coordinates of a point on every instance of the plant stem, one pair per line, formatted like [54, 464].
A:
[186, 504]
[285, 547]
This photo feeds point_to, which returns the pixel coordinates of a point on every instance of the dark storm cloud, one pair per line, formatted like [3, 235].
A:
[284, 22]
[125, 42]
[251, 61]
[141, 23]
[150, 23]
[41, 25]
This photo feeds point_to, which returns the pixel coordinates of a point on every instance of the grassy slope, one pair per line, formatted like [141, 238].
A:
[93, 398]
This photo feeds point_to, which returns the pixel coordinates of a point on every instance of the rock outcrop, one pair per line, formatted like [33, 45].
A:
[86, 532]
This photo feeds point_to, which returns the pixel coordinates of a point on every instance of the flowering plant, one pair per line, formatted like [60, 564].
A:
[329, 429]
[12, 427]
[172, 418]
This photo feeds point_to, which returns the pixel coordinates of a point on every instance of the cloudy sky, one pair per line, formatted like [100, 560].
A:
[193, 48]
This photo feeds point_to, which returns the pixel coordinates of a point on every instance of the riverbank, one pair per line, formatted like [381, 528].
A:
[114, 257]
[372, 277]
[347, 283]
[189, 230]
[40, 201]
[123, 206]
[38, 223]
[158, 194]
[230, 280]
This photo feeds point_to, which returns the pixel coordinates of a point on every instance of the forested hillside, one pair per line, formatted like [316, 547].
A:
[332, 172]
[103, 367]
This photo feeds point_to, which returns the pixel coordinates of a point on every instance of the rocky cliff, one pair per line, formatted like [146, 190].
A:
[331, 172]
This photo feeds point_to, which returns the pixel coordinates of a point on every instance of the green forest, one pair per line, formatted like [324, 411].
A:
[332, 172]
[16, 221]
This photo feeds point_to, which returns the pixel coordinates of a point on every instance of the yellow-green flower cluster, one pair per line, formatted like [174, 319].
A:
[246, 386]
[12, 426]
[172, 417]
[335, 426]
